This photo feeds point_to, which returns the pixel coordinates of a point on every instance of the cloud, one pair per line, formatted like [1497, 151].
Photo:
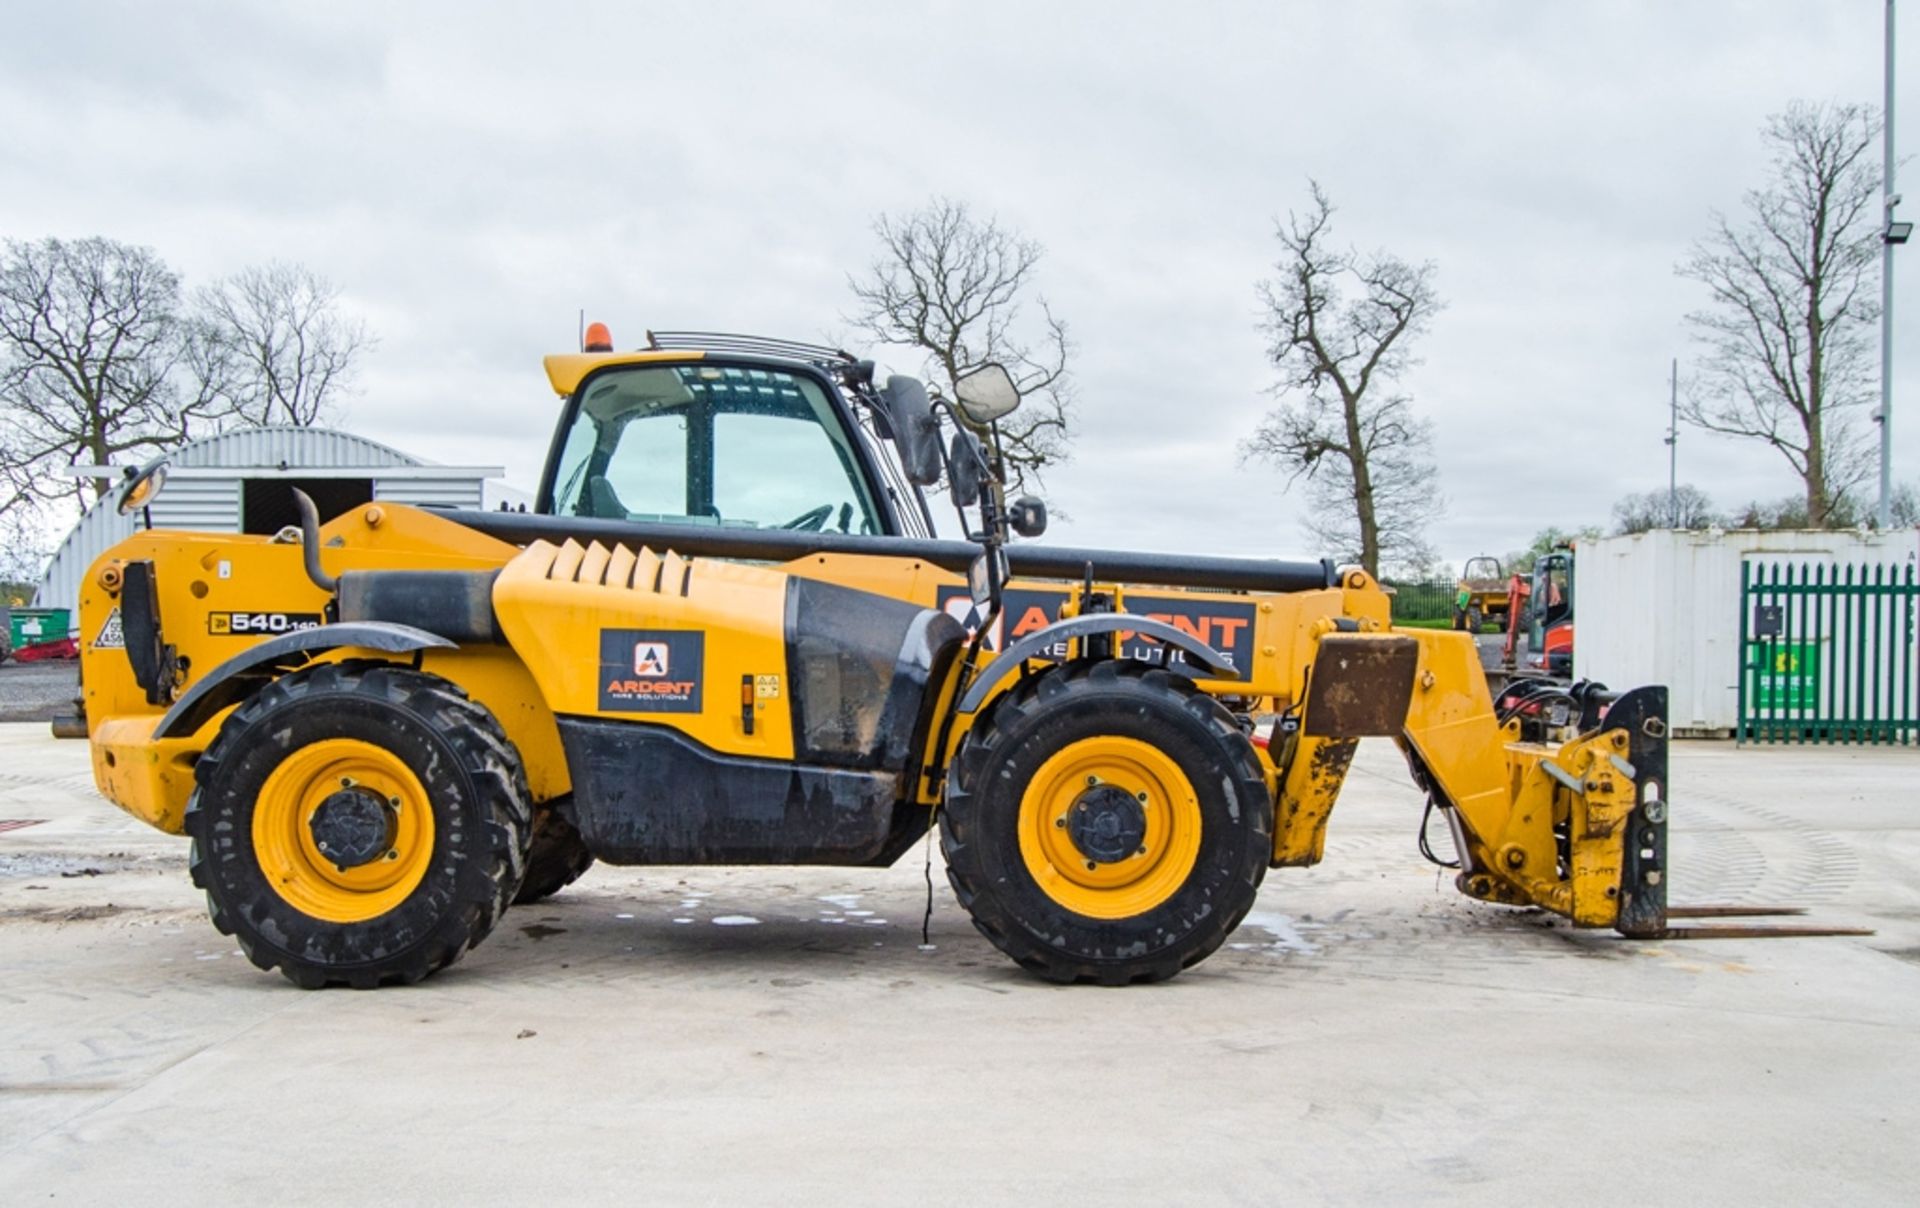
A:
[474, 175]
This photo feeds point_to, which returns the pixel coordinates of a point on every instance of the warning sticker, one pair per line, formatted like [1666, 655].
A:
[111, 636]
[960, 606]
[651, 670]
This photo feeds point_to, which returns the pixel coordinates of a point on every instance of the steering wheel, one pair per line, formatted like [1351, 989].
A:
[810, 522]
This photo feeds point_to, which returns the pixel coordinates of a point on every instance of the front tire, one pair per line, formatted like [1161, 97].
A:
[358, 824]
[1106, 822]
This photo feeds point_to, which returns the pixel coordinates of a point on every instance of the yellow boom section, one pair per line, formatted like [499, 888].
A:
[1542, 824]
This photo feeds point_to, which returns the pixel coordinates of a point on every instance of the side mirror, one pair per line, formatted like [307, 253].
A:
[986, 393]
[142, 487]
[915, 432]
[1027, 516]
[966, 466]
[985, 577]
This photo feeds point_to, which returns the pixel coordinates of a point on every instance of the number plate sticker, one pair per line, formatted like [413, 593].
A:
[260, 624]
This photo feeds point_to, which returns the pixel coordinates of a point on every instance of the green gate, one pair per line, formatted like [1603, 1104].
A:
[1829, 653]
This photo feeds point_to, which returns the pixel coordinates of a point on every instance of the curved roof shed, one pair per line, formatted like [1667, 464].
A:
[241, 480]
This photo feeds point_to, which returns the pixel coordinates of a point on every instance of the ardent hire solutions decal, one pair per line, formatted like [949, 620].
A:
[651, 670]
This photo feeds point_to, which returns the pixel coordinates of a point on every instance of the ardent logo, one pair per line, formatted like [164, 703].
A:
[1225, 625]
[651, 687]
[650, 659]
[651, 670]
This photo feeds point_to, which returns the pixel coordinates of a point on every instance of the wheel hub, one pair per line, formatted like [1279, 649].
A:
[353, 827]
[1107, 824]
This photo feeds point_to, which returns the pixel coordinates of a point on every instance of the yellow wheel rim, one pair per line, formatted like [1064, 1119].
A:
[291, 860]
[1085, 776]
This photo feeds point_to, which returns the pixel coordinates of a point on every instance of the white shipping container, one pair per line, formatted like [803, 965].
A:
[1664, 608]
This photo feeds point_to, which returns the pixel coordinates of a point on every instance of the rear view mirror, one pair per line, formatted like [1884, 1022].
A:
[985, 393]
[1027, 516]
[966, 467]
[915, 432]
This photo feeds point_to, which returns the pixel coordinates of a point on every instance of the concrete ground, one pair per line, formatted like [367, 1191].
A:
[694, 1036]
[36, 691]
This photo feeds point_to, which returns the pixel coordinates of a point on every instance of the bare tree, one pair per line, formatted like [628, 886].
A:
[1341, 322]
[273, 339]
[24, 550]
[1904, 505]
[1790, 512]
[1520, 562]
[956, 287]
[1686, 508]
[94, 364]
[1788, 330]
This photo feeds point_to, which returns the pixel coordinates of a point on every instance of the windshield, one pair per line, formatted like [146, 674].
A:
[714, 444]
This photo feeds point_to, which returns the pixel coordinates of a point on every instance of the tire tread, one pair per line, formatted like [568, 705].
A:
[486, 757]
[1057, 687]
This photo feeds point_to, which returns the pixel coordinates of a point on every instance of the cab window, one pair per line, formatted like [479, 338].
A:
[714, 444]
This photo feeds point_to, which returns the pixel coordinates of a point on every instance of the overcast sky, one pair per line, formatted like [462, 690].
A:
[472, 175]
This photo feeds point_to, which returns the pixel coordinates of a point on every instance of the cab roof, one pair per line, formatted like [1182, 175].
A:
[565, 370]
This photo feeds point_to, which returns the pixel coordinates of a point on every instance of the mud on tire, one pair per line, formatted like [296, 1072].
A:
[1136, 707]
[556, 860]
[471, 780]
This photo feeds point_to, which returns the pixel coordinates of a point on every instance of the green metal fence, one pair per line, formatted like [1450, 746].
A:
[1422, 599]
[1829, 653]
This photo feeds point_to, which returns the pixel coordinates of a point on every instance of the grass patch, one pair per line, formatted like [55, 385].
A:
[1440, 623]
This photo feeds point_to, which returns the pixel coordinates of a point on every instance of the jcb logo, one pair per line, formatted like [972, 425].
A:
[650, 659]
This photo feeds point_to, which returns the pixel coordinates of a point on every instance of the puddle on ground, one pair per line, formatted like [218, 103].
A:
[1285, 933]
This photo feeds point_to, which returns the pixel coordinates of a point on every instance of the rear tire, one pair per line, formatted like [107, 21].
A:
[1048, 854]
[405, 763]
[556, 859]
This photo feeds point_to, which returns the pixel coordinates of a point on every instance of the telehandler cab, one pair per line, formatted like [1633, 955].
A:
[726, 634]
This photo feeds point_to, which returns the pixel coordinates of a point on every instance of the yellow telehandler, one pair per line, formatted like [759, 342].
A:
[727, 634]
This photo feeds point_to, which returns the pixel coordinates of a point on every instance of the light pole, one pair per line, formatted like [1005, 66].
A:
[1673, 447]
[1892, 234]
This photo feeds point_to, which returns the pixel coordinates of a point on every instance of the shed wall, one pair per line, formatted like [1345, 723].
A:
[205, 494]
[430, 492]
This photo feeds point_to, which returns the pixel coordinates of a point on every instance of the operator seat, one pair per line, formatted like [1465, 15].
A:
[602, 501]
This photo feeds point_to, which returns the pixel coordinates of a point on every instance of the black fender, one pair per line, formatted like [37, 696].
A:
[1170, 636]
[237, 678]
